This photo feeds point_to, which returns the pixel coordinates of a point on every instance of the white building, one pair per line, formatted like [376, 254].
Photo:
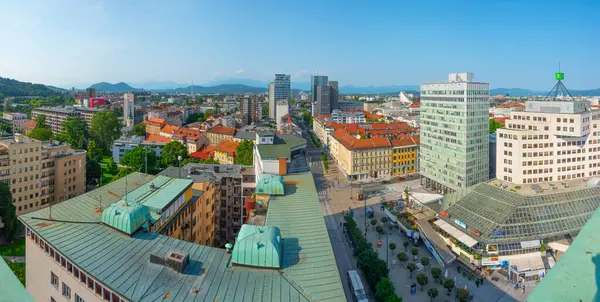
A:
[16, 120]
[282, 109]
[226, 121]
[128, 108]
[549, 141]
[124, 144]
[454, 133]
[347, 117]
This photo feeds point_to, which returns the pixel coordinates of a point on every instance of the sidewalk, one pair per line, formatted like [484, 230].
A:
[14, 259]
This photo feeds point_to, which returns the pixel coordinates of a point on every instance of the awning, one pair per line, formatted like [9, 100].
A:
[436, 240]
[456, 233]
[528, 263]
[530, 244]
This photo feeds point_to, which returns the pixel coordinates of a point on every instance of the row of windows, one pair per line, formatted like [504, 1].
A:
[77, 274]
[537, 163]
[569, 160]
[536, 154]
[25, 149]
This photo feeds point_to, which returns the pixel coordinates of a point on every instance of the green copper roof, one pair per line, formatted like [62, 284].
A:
[307, 254]
[11, 289]
[575, 276]
[257, 246]
[270, 185]
[159, 193]
[125, 217]
[282, 146]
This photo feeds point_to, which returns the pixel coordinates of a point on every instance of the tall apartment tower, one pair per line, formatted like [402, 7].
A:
[90, 93]
[454, 133]
[322, 103]
[251, 109]
[129, 108]
[334, 95]
[279, 90]
[315, 82]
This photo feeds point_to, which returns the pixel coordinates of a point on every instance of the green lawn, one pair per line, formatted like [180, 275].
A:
[107, 177]
[17, 248]
[18, 269]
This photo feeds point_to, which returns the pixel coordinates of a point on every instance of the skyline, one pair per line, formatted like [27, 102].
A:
[517, 45]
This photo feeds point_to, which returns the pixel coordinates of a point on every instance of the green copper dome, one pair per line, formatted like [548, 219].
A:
[258, 246]
[126, 218]
[270, 185]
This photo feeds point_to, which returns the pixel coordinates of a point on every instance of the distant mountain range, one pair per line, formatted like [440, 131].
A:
[10, 87]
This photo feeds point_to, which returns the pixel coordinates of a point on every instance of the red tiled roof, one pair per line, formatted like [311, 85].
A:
[512, 105]
[30, 124]
[501, 120]
[404, 141]
[352, 143]
[187, 133]
[227, 147]
[155, 120]
[206, 152]
[220, 129]
[157, 139]
[169, 129]
[174, 113]
[321, 116]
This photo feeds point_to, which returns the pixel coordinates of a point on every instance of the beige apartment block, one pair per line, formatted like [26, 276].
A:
[40, 172]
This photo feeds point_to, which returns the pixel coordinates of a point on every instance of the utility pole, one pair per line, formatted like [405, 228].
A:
[145, 160]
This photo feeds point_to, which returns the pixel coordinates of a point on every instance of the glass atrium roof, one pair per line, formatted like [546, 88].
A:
[502, 215]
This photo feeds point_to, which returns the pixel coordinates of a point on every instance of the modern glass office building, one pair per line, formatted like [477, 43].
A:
[454, 133]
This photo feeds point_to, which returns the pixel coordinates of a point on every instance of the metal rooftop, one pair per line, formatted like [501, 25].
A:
[281, 147]
[122, 263]
[11, 289]
[503, 214]
[307, 254]
[575, 276]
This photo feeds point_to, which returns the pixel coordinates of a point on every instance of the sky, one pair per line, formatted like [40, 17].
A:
[509, 44]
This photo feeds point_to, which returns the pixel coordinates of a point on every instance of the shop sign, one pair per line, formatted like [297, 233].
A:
[490, 261]
[475, 233]
[462, 224]
[498, 234]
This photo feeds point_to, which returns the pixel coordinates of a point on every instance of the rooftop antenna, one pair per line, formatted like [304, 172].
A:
[559, 90]
[192, 87]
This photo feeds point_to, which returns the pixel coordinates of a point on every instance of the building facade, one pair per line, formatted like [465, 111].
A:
[279, 90]
[220, 133]
[15, 120]
[347, 117]
[251, 109]
[129, 108]
[361, 159]
[40, 172]
[54, 116]
[405, 155]
[126, 143]
[322, 101]
[90, 93]
[454, 133]
[225, 152]
[549, 141]
[283, 109]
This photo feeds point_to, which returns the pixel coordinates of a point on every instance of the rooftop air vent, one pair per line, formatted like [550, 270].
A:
[152, 186]
[176, 261]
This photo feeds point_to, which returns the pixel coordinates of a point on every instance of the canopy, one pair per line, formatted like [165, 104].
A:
[456, 233]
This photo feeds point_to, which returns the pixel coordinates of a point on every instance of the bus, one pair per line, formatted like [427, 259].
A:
[356, 286]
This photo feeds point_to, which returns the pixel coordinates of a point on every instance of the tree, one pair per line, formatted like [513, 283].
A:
[432, 293]
[74, 132]
[449, 285]
[393, 298]
[208, 113]
[139, 129]
[402, 257]
[244, 153]
[414, 251]
[436, 273]
[111, 167]
[93, 172]
[12, 226]
[139, 158]
[392, 247]
[384, 289]
[171, 152]
[373, 222]
[463, 295]
[411, 266]
[104, 129]
[494, 125]
[425, 261]
[405, 244]
[379, 229]
[6, 128]
[40, 131]
[384, 219]
[422, 280]
[93, 152]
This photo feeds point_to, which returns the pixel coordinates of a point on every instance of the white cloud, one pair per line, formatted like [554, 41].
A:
[239, 71]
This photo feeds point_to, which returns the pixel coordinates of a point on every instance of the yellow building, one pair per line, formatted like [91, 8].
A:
[361, 159]
[225, 152]
[404, 155]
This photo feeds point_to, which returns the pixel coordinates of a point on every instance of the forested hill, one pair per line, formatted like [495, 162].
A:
[10, 87]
